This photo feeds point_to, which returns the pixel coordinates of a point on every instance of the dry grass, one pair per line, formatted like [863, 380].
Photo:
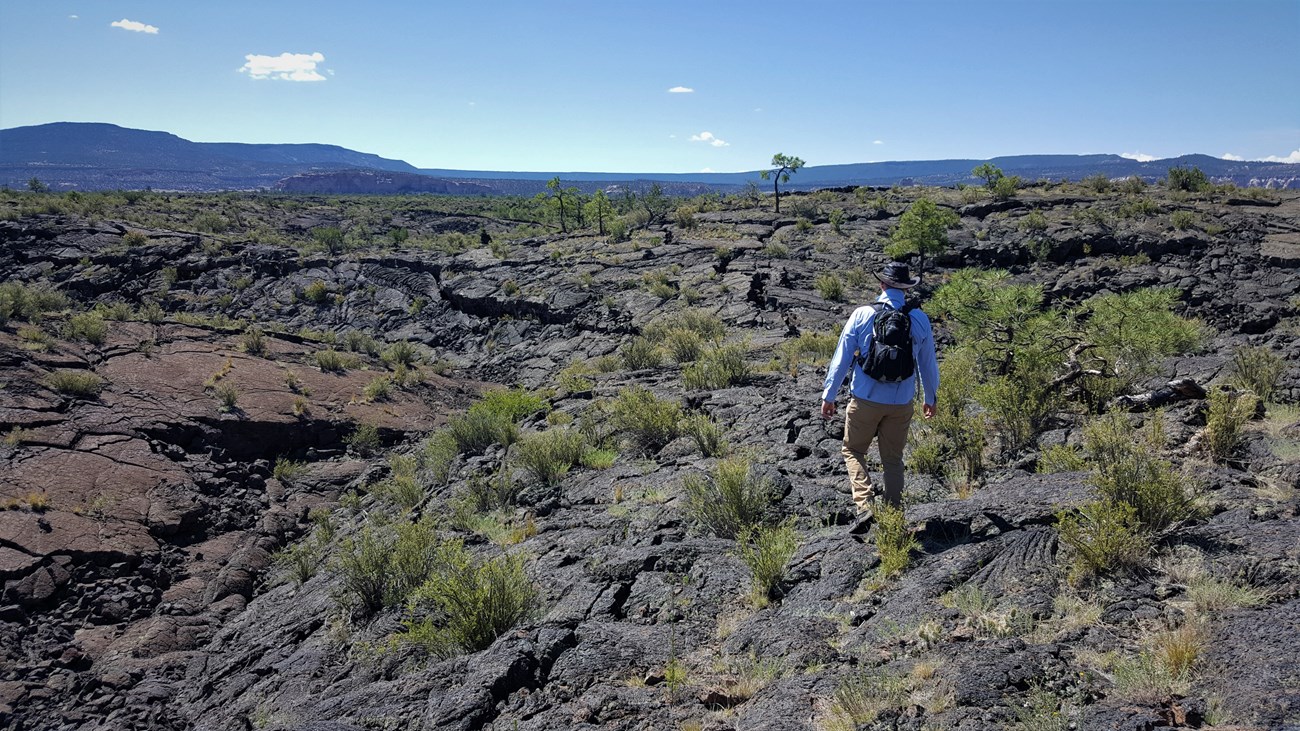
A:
[1211, 594]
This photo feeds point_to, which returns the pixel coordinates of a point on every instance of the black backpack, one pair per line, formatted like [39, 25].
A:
[889, 356]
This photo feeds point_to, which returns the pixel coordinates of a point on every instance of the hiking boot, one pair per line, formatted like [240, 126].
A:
[862, 523]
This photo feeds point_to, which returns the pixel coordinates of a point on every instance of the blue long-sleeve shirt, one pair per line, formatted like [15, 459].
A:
[854, 338]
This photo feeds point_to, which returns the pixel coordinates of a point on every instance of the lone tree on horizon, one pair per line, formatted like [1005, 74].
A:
[783, 167]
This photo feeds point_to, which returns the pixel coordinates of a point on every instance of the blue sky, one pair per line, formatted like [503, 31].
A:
[564, 86]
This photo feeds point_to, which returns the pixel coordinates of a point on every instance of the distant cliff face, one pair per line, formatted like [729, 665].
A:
[376, 181]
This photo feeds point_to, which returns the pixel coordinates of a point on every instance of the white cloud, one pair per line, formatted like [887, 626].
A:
[709, 138]
[1230, 156]
[73, 17]
[681, 90]
[285, 67]
[1294, 157]
[133, 25]
[877, 142]
[1139, 156]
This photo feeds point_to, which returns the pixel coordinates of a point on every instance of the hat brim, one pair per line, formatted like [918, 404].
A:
[896, 284]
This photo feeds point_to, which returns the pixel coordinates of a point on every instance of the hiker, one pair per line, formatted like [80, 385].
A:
[887, 345]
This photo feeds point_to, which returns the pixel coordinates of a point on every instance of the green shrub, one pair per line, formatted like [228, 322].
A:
[1061, 458]
[731, 500]
[402, 353]
[925, 454]
[1041, 711]
[287, 470]
[957, 433]
[378, 389]
[329, 238]
[776, 250]
[253, 341]
[574, 377]
[720, 367]
[894, 540]
[479, 429]
[1129, 471]
[227, 395]
[1182, 220]
[684, 345]
[1227, 415]
[1034, 221]
[1258, 370]
[34, 338]
[316, 292]
[766, 550]
[1191, 180]
[331, 360]
[1138, 208]
[617, 230]
[481, 496]
[301, 559]
[1103, 537]
[439, 454]
[513, 404]
[1005, 187]
[1133, 185]
[210, 222]
[829, 286]
[380, 567]
[364, 440]
[1018, 407]
[87, 326]
[403, 487]
[599, 459]
[685, 217]
[863, 696]
[81, 384]
[708, 434]
[640, 354]
[494, 419]
[1099, 183]
[548, 455]
[467, 603]
[817, 346]
[357, 341]
[118, 311]
[705, 324]
[647, 421]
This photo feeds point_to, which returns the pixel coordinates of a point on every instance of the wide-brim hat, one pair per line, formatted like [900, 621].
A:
[896, 275]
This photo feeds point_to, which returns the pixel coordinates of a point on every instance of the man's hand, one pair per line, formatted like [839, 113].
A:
[928, 411]
[828, 409]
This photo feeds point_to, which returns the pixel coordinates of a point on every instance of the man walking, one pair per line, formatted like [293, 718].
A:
[886, 345]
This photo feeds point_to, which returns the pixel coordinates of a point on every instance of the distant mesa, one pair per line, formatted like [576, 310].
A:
[95, 156]
[353, 182]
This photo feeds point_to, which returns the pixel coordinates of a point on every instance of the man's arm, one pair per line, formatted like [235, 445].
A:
[841, 362]
[928, 367]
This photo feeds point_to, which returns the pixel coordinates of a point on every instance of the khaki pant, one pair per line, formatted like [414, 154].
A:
[867, 420]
